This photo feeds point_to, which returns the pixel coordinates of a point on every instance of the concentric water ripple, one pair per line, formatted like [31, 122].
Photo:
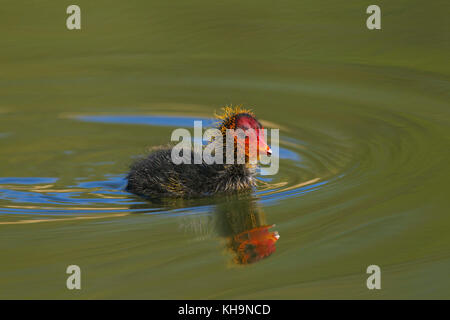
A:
[38, 196]
[338, 162]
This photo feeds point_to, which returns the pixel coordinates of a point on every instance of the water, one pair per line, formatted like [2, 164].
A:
[364, 129]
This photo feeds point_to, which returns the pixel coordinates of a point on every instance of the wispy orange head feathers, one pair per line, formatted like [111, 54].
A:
[227, 119]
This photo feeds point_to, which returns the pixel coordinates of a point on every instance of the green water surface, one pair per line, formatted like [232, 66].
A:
[364, 121]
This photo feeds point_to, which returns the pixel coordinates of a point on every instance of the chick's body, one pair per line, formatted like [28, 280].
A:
[157, 176]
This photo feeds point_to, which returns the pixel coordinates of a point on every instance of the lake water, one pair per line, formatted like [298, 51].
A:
[364, 121]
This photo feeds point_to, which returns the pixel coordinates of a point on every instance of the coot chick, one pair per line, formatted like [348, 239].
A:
[156, 176]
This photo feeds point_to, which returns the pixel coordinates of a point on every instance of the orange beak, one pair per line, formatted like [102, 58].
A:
[257, 137]
[262, 145]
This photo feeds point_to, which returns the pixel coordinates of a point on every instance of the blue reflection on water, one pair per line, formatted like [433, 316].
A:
[151, 120]
[30, 180]
[107, 192]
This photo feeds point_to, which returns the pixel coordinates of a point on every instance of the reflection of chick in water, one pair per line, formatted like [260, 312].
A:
[238, 219]
[243, 224]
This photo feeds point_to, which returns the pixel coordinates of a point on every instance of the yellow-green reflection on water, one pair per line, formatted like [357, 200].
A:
[364, 127]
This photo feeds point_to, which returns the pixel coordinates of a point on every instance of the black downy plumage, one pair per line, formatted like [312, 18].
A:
[156, 176]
